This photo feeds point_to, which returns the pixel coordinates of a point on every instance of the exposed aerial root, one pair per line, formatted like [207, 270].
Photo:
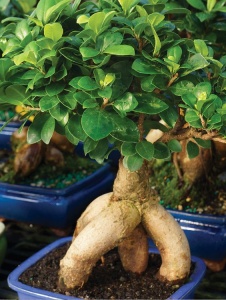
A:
[102, 234]
[170, 240]
[92, 211]
[133, 251]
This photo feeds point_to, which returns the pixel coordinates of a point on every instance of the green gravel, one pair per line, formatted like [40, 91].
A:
[7, 115]
[75, 170]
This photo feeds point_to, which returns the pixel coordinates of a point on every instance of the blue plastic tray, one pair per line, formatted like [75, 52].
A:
[26, 292]
[51, 207]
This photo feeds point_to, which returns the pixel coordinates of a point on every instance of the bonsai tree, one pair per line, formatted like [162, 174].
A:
[107, 73]
[206, 21]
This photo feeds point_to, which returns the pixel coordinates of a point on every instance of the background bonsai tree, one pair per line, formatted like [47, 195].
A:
[206, 21]
[105, 74]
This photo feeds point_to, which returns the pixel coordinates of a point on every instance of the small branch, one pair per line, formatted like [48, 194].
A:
[172, 79]
[187, 133]
[105, 103]
[29, 108]
[141, 126]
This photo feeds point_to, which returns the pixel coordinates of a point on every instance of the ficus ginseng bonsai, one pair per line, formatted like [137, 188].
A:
[106, 73]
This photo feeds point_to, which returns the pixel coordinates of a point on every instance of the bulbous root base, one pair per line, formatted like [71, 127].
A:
[124, 224]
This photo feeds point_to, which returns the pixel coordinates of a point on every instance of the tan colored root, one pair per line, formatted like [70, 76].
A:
[170, 240]
[133, 251]
[92, 211]
[197, 167]
[105, 232]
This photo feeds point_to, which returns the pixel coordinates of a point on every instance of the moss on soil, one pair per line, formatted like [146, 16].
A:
[206, 196]
[48, 176]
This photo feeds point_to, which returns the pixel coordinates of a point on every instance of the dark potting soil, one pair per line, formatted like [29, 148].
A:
[107, 281]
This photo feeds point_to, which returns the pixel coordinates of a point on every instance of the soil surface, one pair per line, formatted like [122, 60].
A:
[206, 196]
[75, 169]
[107, 281]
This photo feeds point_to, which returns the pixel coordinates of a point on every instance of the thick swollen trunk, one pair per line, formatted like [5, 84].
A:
[123, 219]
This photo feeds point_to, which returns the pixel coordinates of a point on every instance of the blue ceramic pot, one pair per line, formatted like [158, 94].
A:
[206, 234]
[26, 292]
[51, 207]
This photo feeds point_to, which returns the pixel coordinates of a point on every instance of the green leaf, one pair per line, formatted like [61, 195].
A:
[75, 128]
[89, 145]
[170, 116]
[100, 151]
[147, 84]
[54, 88]
[158, 44]
[88, 52]
[196, 62]
[203, 143]
[145, 149]
[106, 92]
[54, 31]
[34, 130]
[96, 21]
[47, 130]
[127, 103]
[182, 87]
[192, 149]
[59, 112]
[201, 47]
[90, 103]
[143, 67]
[70, 137]
[174, 146]
[149, 104]
[189, 99]
[108, 39]
[68, 100]
[202, 90]
[197, 4]
[192, 117]
[125, 130]
[16, 94]
[161, 151]
[211, 4]
[174, 53]
[22, 30]
[41, 128]
[87, 83]
[5, 64]
[96, 123]
[127, 5]
[47, 102]
[155, 18]
[120, 50]
[133, 162]
[215, 119]
[49, 10]
[128, 149]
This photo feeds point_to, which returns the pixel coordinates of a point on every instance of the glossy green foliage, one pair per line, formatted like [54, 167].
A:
[107, 72]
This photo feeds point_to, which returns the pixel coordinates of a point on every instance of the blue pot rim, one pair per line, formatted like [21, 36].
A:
[13, 282]
[90, 179]
[199, 218]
